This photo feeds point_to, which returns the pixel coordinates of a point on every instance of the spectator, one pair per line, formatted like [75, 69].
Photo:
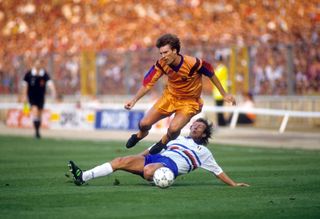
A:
[247, 104]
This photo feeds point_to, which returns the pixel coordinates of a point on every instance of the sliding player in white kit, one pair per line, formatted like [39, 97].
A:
[188, 156]
[181, 155]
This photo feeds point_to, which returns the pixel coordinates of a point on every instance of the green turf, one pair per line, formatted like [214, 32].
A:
[285, 184]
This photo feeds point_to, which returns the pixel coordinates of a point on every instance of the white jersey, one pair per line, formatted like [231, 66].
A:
[188, 156]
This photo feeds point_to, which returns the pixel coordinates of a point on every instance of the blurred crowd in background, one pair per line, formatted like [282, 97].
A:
[281, 38]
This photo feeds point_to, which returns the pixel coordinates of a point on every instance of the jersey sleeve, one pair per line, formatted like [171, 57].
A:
[211, 165]
[47, 77]
[152, 76]
[26, 77]
[206, 69]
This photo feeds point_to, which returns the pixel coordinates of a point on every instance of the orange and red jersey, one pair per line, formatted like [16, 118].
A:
[184, 80]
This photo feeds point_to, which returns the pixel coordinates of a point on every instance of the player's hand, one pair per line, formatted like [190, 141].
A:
[129, 105]
[242, 185]
[230, 99]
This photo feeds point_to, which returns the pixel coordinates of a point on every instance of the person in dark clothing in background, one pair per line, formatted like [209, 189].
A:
[34, 86]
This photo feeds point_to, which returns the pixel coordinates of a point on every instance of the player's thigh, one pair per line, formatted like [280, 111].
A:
[179, 121]
[133, 163]
[152, 116]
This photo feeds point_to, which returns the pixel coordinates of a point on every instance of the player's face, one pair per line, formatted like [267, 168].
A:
[168, 55]
[197, 130]
[38, 64]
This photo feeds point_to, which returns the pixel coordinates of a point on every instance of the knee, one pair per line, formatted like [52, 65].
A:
[118, 162]
[144, 125]
[173, 132]
[148, 173]
[174, 128]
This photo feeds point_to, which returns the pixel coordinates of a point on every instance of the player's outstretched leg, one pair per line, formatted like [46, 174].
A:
[132, 141]
[76, 172]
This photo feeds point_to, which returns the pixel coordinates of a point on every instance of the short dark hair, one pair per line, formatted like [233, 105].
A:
[169, 39]
[208, 131]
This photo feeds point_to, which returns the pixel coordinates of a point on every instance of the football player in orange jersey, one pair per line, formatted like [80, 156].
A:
[181, 95]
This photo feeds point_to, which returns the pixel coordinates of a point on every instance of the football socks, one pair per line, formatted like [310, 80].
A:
[98, 171]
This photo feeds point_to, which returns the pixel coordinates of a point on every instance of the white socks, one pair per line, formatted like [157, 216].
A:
[98, 171]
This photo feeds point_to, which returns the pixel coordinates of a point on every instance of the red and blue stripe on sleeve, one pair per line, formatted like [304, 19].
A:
[148, 77]
[206, 69]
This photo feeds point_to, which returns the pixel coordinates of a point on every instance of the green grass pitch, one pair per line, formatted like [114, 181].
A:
[284, 184]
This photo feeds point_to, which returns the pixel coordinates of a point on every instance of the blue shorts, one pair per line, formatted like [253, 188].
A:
[166, 161]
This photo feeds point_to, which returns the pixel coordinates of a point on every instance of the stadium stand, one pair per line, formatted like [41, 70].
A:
[123, 32]
[272, 47]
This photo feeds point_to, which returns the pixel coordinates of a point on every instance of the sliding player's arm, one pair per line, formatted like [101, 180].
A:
[227, 180]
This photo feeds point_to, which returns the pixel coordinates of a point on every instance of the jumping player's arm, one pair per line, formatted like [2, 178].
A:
[149, 80]
[141, 92]
[207, 70]
[227, 97]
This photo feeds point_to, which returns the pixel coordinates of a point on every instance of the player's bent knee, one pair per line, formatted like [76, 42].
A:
[174, 129]
[149, 170]
[173, 133]
[143, 126]
[147, 174]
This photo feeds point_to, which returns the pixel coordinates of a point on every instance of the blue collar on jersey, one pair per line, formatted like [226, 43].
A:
[176, 68]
